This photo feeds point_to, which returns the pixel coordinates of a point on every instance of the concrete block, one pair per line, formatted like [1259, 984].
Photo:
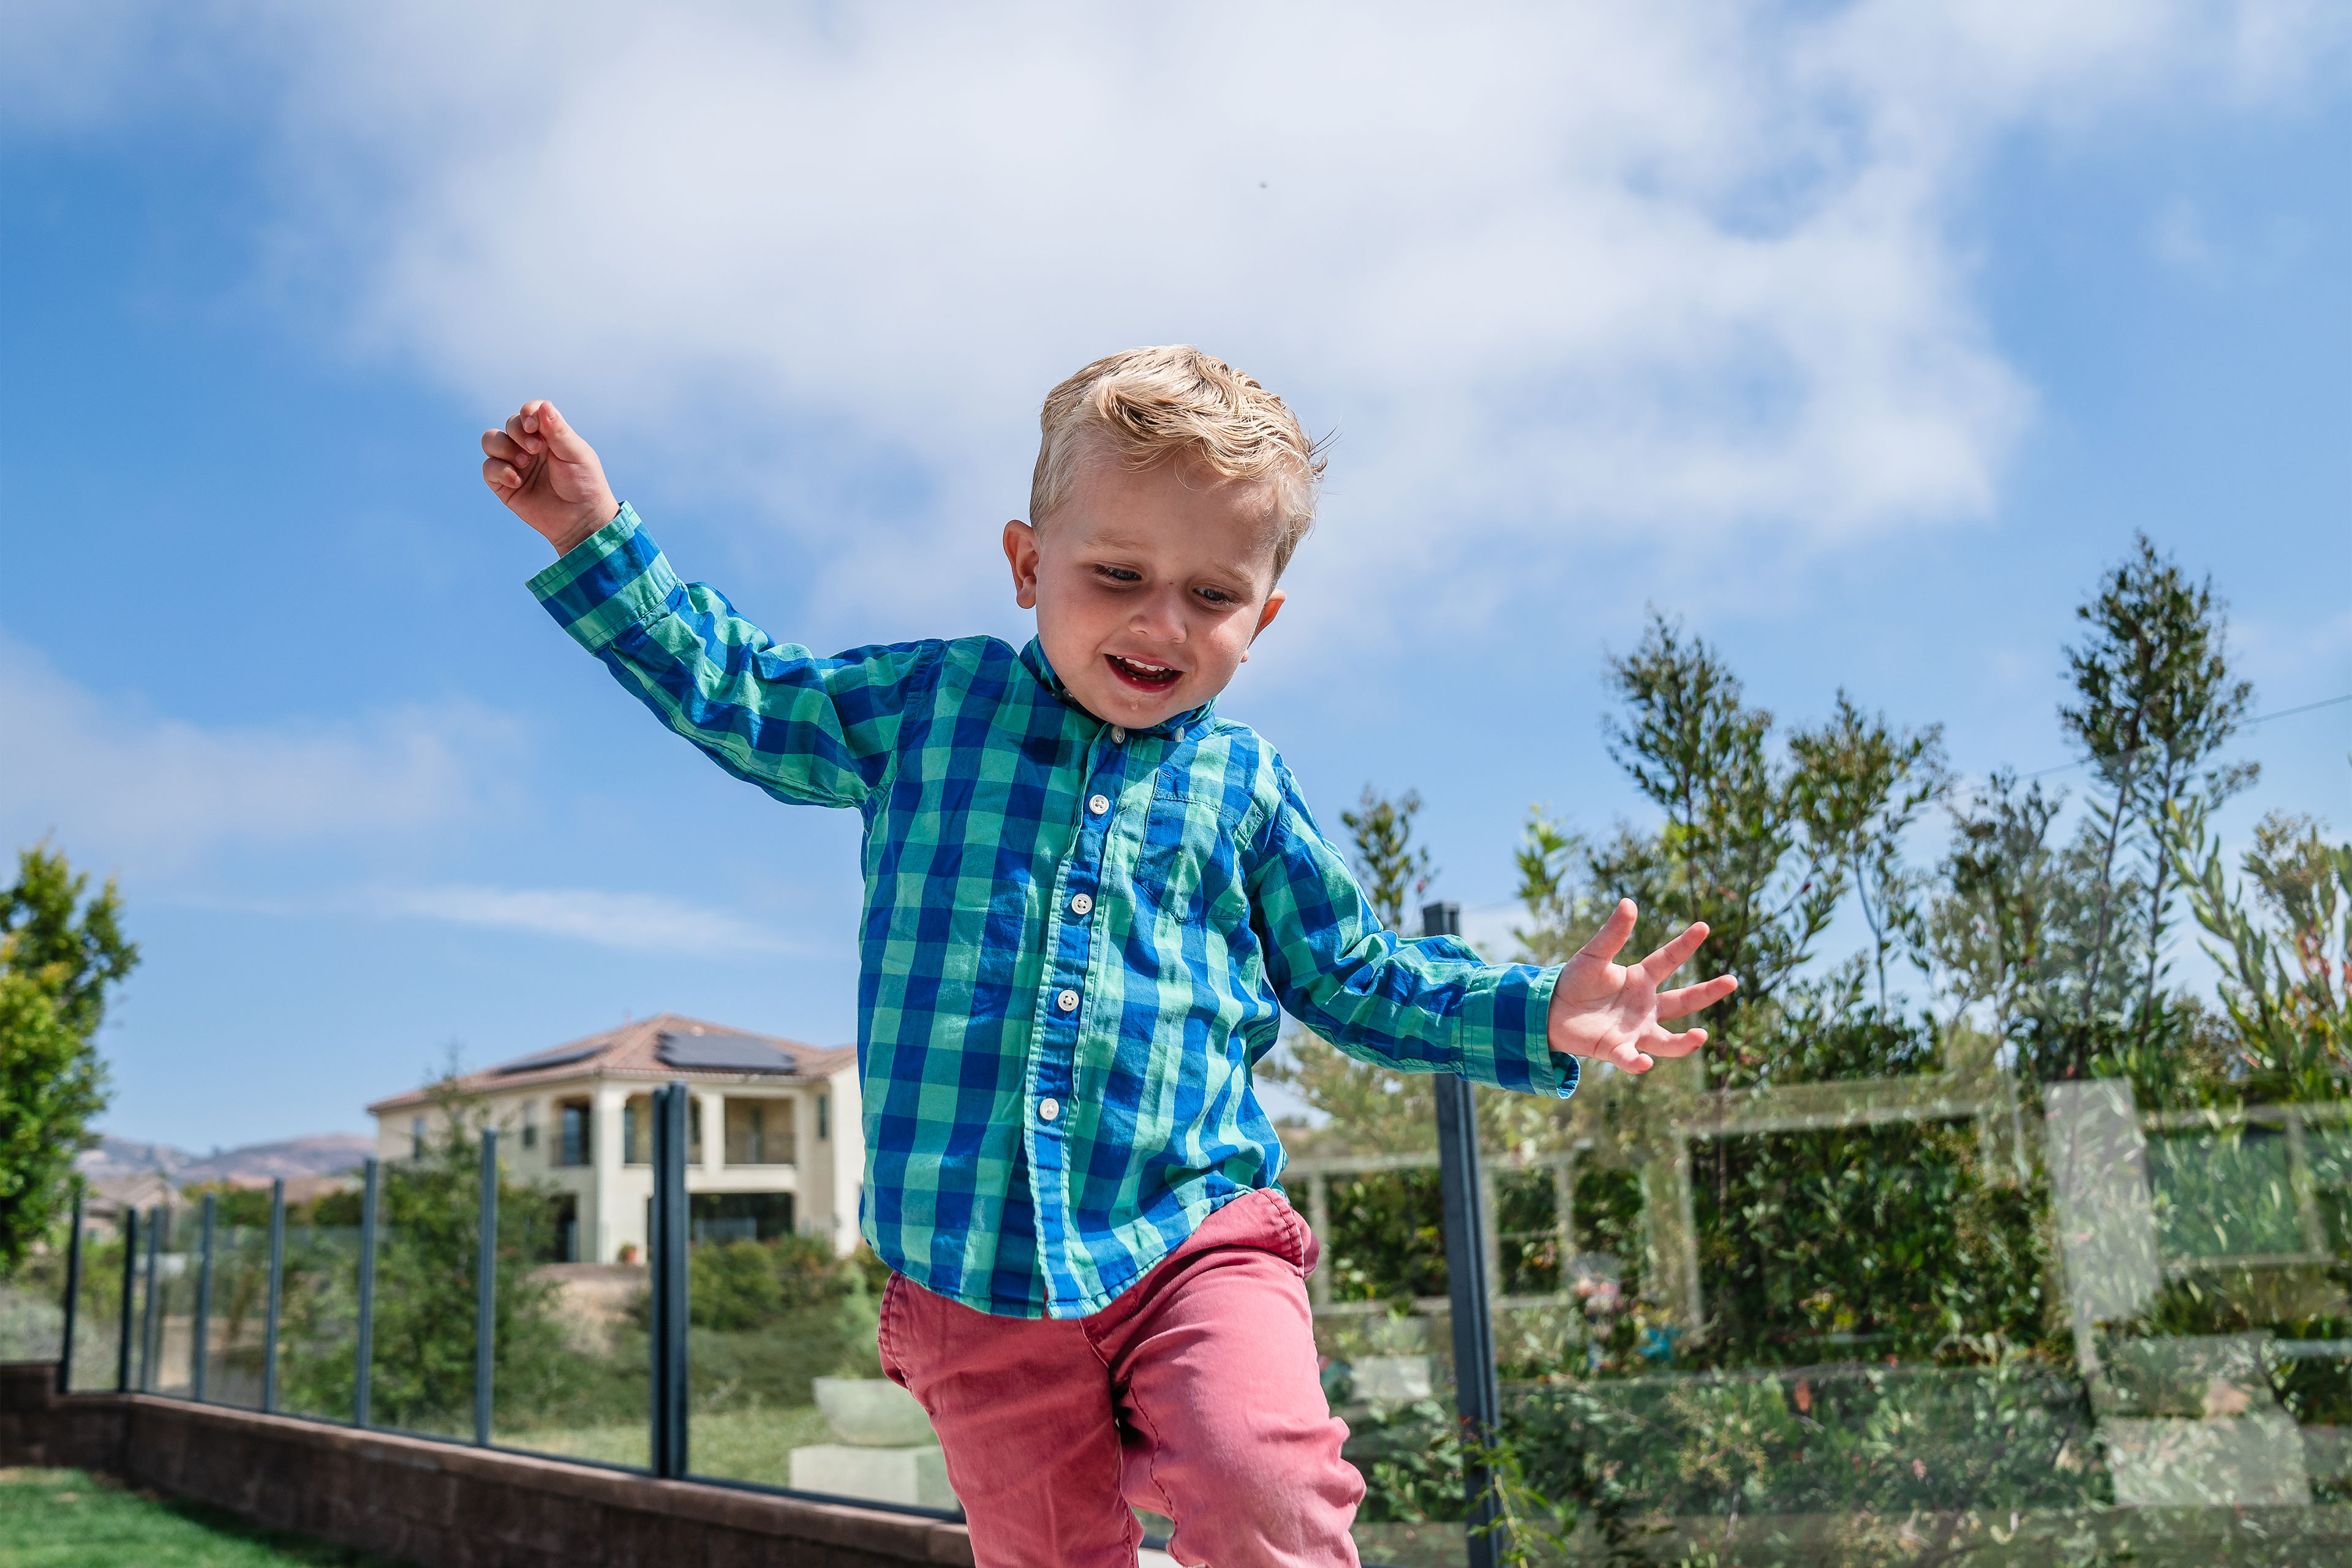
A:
[2246, 1461]
[917, 1475]
[1391, 1379]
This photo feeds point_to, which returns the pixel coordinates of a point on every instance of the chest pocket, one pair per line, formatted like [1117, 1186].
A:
[1187, 855]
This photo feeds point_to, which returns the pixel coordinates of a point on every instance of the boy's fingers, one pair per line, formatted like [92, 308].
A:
[1691, 998]
[1675, 953]
[561, 439]
[519, 432]
[499, 445]
[500, 475]
[1615, 932]
[1666, 1043]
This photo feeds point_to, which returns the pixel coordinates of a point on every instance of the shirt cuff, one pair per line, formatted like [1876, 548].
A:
[614, 579]
[1512, 1014]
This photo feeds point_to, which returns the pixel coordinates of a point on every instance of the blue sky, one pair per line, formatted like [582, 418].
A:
[1858, 337]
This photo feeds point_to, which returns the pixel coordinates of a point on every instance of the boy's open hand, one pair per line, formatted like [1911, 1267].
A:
[548, 476]
[1614, 1012]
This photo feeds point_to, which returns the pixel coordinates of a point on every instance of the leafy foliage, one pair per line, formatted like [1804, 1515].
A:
[60, 951]
[1880, 1239]
[1886, 1334]
[2286, 963]
[421, 1375]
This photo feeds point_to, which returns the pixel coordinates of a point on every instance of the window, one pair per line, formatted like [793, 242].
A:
[530, 1124]
[416, 1137]
[824, 1128]
[758, 1132]
[693, 1130]
[737, 1217]
[573, 1146]
[637, 1131]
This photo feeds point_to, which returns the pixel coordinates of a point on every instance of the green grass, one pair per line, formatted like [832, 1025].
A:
[735, 1445]
[65, 1519]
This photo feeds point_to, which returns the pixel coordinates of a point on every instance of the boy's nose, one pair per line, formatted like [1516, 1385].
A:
[1160, 616]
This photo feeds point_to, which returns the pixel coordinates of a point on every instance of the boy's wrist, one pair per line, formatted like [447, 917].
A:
[585, 526]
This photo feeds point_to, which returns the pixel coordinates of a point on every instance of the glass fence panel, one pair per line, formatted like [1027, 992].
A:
[784, 1385]
[1383, 1330]
[98, 1316]
[427, 1244]
[169, 1323]
[32, 1317]
[571, 1368]
[2029, 1267]
[318, 1341]
[236, 1320]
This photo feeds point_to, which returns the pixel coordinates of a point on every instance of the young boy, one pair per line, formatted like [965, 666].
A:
[1088, 896]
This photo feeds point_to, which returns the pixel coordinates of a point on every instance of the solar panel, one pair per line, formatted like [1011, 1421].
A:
[724, 1053]
[563, 1055]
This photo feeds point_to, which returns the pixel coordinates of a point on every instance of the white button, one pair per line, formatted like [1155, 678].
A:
[1117, 736]
[1047, 1110]
[1082, 905]
[1068, 1001]
[1099, 805]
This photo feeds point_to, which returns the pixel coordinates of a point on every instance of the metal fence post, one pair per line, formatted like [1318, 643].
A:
[203, 1329]
[486, 1288]
[130, 1299]
[366, 1350]
[150, 1323]
[666, 1253]
[73, 1295]
[1476, 1395]
[276, 1294]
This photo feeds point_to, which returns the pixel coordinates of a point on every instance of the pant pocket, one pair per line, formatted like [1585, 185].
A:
[886, 1335]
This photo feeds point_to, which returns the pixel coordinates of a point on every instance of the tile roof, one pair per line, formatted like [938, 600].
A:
[629, 1052]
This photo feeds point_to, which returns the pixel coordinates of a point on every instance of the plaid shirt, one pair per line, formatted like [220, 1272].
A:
[1076, 939]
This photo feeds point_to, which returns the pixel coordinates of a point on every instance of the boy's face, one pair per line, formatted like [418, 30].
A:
[1149, 586]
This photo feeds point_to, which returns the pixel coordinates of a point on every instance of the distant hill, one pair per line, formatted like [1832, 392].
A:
[320, 1154]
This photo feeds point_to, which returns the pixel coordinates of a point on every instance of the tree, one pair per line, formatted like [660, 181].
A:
[426, 1263]
[1393, 870]
[1994, 934]
[1763, 848]
[2154, 702]
[1859, 785]
[1689, 742]
[1555, 890]
[60, 952]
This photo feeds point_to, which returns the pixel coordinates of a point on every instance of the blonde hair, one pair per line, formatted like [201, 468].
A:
[1154, 405]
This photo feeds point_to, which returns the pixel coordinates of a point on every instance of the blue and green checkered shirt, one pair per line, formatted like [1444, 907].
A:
[1077, 942]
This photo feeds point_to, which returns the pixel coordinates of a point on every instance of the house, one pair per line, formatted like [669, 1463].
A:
[775, 1143]
[111, 1196]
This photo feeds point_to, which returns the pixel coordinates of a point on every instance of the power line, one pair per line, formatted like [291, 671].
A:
[2257, 719]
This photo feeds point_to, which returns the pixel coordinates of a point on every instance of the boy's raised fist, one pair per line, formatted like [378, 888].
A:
[548, 476]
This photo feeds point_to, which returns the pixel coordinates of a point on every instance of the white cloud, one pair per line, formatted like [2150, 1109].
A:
[1554, 270]
[633, 922]
[158, 791]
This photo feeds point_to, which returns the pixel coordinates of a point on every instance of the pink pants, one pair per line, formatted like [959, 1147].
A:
[1194, 1395]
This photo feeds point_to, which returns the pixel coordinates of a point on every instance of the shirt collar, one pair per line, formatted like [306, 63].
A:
[1033, 658]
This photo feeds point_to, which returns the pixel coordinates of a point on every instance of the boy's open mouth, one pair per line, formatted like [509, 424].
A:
[1142, 675]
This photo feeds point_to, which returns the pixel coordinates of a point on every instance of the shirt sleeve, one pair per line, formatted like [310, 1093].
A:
[815, 732]
[1425, 1006]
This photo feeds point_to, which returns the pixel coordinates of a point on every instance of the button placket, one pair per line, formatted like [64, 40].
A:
[1056, 1078]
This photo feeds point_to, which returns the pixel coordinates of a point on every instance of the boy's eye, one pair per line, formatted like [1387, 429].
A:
[1119, 574]
[1218, 596]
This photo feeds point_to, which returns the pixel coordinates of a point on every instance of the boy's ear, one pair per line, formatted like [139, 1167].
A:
[1021, 550]
[1272, 607]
